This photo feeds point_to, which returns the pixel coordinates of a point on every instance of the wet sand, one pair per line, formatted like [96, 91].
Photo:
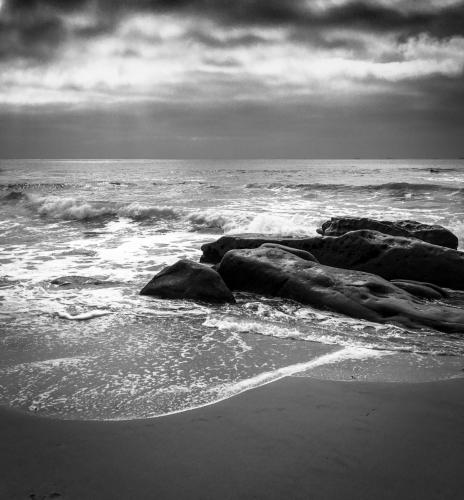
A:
[297, 438]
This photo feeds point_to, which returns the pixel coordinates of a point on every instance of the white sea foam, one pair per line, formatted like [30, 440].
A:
[249, 326]
[226, 391]
[141, 211]
[67, 208]
[244, 222]
[83, 316]
[70, 208]
[208, 220]
[286, 371]
[270, 224]
[458, 229]
[317, 326]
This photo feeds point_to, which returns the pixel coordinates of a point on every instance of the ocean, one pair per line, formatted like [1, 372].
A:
[96, 349]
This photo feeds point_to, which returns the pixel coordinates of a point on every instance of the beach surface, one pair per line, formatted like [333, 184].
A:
[297, 438]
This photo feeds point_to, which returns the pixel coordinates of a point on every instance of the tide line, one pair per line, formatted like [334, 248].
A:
[262, 379]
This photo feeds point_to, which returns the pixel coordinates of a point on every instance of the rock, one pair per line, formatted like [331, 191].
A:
[81, 282]
[274, 272]
[189, 280]
[391, 257]
[423, 290]
[214, 251]
[295, 251]
[14, 196]
[437, 235]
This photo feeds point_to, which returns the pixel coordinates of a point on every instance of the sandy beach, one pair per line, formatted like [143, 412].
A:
[297, 438]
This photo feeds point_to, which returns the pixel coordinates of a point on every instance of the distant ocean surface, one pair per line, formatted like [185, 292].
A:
[104, 352]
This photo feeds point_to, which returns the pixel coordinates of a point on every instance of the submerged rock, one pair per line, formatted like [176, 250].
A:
[14, 196]
[437, 235]
[391, 257]
[81, 282]
[189, 280]
[274, 272]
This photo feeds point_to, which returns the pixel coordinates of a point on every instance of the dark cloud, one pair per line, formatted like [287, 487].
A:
[33, 38]
[36, 29]
[439, 21]
[224, 97]
[212, 40]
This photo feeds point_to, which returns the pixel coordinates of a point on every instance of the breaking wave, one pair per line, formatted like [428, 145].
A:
[207, 220]
[76, 209]
[139, 211]
[244, 223]
[271, 224]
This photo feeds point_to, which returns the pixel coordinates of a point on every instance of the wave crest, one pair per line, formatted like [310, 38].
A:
[207, 220]
[75, 209]
[270, 224]
[68, 209]
[245, 223]
[138, 211]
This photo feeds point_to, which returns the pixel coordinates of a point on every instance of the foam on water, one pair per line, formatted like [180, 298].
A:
[83, 316]
[351, 353]
[96, 349]
[70, 208]
[294, 322]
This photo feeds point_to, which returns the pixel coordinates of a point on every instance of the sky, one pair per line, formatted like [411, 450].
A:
[231, 79]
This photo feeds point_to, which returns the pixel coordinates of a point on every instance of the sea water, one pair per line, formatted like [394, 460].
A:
[96, 349]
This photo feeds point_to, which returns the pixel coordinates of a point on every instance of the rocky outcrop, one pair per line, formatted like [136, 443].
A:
[189, 280]
[391, 257]
[437, 235]
[214, 251]
[82, 282]
[274, 272]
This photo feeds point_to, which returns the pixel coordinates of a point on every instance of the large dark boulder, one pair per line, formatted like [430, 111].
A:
[437, 235]
[274, 272]
[189, 280]
[391, 257]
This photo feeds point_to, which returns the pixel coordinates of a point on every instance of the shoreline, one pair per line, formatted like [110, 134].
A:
[339, 364]
[297, 437]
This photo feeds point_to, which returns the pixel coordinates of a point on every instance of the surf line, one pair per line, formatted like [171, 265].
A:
[229, 391]
[287, 371]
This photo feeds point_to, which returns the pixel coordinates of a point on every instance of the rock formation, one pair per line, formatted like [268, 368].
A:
[391, 257]
[437, 235]
[275, 272]
[189, 280]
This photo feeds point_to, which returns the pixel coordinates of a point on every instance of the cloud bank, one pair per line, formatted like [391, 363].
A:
[231, 78]
[111, 52]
